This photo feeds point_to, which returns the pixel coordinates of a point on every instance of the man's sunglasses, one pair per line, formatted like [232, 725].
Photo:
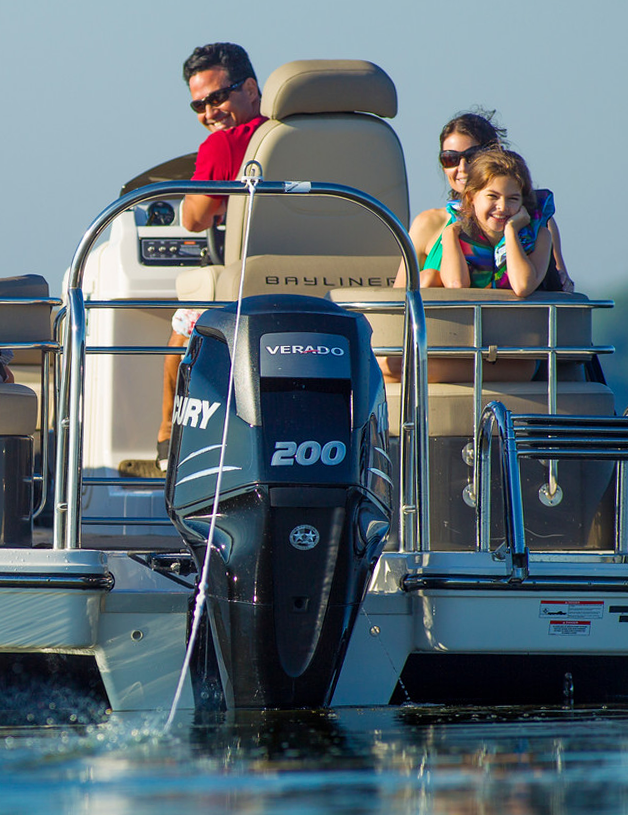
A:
[215, 98]
[452, 158]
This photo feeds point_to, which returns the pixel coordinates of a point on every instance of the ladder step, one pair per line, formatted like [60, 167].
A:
[559, 436]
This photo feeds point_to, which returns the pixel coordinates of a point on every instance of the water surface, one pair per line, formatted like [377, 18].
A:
[384, 760]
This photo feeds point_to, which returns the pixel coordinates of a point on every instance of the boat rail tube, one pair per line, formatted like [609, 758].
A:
[68, 473]
[25, 329]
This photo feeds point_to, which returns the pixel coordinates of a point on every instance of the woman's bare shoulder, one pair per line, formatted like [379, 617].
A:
[426, 228]
[430, 220]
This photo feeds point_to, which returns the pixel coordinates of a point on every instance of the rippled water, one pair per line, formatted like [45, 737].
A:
[392, 760]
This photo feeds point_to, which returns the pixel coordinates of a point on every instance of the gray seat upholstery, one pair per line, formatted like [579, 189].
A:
[18, 410]
[451, 404]
[23, 323]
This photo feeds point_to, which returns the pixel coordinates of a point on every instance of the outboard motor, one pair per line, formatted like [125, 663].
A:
[305, 498]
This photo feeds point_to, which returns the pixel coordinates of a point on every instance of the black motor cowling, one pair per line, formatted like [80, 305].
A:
[305, 496]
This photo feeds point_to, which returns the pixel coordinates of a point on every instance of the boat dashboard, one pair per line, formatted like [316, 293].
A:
[162, 240]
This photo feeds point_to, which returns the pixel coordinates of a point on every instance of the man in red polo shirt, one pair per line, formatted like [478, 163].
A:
[226, 100]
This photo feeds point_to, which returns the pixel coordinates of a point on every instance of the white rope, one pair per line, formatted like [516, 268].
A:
[251, 182]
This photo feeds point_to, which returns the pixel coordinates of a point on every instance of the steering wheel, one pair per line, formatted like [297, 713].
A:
[216, 241]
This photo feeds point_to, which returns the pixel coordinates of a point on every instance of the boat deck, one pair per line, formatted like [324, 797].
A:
[42, 538]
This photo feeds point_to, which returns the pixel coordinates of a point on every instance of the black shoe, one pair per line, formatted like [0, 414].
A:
[163, 448]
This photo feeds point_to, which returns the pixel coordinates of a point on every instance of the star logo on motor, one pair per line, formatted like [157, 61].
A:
[304, 537]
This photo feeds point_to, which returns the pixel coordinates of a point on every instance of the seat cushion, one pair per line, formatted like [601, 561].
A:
[18, 410]
[197, 283]
[451, 405]
[25, 323]
[449, 317]
[313, 275]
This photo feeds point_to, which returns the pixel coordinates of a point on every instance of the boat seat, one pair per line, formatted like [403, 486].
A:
[452, 326]
[306, 274]
[18, 419]
[18, 410]
[450, 427]
[451, 405]
[313, 275]
[325, 124]
[25, 323]
[584, 519]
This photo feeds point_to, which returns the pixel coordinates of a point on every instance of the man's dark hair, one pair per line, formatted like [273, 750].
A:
[226, 55]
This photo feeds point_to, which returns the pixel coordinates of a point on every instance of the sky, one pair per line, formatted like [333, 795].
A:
[92, 95]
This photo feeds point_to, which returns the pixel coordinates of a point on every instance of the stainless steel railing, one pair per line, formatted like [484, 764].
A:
[49, 348]
[477, 350]
[69, 463]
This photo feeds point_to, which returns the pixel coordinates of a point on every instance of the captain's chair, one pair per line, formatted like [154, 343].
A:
[325, 124]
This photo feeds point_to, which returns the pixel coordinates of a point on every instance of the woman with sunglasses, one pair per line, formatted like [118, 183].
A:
[460, 140]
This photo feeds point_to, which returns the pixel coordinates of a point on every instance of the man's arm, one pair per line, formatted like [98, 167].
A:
[198, 211]
[213, 162]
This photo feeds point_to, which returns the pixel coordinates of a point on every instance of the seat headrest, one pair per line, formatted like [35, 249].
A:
[28, 285]
[328, 86]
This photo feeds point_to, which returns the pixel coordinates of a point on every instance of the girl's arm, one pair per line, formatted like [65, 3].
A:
[525, 272]
[454, 271]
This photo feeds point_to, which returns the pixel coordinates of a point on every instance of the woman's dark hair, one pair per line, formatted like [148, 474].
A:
[494, 163]
[233, 58]
[478, 125]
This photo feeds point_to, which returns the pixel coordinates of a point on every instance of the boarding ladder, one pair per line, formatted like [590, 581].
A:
[547, 438]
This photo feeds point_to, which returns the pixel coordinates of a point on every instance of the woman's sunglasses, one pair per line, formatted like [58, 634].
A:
[215, 98]
[452, 158]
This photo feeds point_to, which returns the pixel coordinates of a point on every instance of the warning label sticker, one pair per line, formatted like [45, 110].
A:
[569, 628]
[572, 609]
